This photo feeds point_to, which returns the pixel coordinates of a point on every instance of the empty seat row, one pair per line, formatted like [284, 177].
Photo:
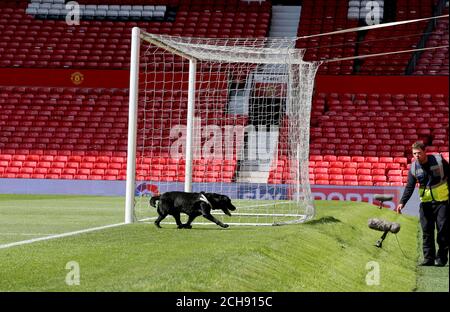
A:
[435, 62]
[27, 42]
[62, 5]
[96, 168]
[85, 13]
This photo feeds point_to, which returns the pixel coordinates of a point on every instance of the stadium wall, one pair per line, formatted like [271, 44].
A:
[64, 78]
[120, 79]
[383, 84]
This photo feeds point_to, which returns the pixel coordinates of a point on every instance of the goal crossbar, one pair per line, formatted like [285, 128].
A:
[201, 49]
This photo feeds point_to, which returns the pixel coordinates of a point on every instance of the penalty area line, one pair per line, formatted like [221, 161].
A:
[39, 239]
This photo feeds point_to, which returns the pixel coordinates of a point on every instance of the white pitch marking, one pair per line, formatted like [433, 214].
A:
[28, 234]
[30, 241]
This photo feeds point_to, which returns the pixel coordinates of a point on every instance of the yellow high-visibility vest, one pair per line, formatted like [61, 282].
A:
[439, 190]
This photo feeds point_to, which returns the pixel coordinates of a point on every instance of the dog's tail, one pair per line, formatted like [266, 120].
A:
[154, 201]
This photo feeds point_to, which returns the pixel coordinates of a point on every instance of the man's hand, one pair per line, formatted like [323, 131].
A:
[399, 208]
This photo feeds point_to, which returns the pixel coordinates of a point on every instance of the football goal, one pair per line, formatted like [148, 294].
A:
[228, 116]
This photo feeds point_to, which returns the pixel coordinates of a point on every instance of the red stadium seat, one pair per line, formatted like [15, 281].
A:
[378, 166]
[364, 165]
[349, 171]
[392, 165]
[330, 158]
[394, 172]
[378, 171]
[336, 164]
[316, 157]
[378, 178]
[386, 159]
[336, 177]
[321, 170]
[363, 171]
[350, 165]
[395, 178]
[335, 171]
[372, 159]
[322, 164]
[350, 177]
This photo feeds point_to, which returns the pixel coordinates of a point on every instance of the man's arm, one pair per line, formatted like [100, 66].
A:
[446, 166]
[409, 190]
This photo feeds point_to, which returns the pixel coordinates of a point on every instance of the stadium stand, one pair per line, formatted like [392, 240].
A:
[44, 42]
[320, 17]
[405, 37]
[325, 16]
[90, 126]
[81, 133]
[370, 131]
[435, 62]
[379, 124]
[79, 130]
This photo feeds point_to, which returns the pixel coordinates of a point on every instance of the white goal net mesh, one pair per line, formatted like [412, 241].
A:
[250, 125]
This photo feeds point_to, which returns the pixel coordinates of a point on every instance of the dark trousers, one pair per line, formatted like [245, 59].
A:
[435, 216]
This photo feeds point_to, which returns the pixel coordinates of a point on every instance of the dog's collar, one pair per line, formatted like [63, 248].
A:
[204, 199]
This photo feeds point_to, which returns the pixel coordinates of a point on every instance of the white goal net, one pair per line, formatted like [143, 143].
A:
[228, 116]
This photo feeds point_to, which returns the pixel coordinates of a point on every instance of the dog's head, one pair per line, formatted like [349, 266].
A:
[154, 201]
[219, 201]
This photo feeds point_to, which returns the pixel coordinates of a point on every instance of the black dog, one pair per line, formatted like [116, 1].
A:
[192, 204]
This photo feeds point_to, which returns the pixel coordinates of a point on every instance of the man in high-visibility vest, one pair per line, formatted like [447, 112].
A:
[432, 173]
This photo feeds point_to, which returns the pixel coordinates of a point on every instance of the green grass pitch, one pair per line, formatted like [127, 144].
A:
[334, 252]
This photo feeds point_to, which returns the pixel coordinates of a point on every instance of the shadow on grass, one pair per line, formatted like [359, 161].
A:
[324, 220]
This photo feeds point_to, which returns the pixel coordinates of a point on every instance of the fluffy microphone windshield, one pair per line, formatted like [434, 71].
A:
[384, 226]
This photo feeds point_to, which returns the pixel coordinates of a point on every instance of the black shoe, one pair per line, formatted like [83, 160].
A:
[440, 263]
[427, 263]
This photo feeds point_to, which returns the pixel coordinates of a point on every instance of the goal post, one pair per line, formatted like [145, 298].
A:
[132, 125]
[220, 115]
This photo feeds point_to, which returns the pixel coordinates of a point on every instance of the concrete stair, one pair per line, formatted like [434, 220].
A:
[285, 21]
